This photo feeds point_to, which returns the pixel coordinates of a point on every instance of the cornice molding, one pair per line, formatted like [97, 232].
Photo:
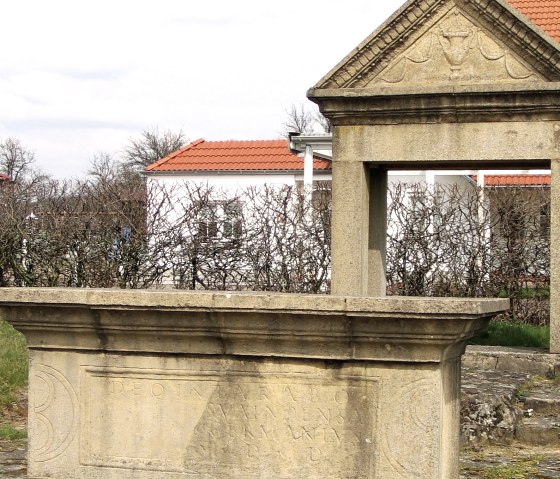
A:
[279, 325]
[447, 105]
[524, 35]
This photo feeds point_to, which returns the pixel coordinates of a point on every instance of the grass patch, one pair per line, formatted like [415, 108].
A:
[522, 469]
[514, 333]
[10, 433]
[13, 363]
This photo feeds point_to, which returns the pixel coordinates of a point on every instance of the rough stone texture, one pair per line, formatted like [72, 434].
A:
[544, 400]
[450, 144]
[13, 461]
[359, 227]
[511, 462]
[489, 410]
[543, 461]
[508, 395]
[127, 384]
[555, 257]
[539, 431]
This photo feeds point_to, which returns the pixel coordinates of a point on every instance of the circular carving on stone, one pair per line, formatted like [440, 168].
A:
[414, 420]
[54, 413]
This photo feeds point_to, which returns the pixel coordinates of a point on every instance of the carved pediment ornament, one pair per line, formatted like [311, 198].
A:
[456, 42]
[492, 51]
[456, 50]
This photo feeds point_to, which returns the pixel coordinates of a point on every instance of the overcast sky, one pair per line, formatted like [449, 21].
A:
[79, 77]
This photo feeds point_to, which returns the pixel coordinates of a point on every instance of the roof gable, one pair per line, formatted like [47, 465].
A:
[231, 156]
[449, 42]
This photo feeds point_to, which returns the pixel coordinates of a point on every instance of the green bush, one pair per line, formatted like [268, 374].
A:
[514, 333]
[13, 363]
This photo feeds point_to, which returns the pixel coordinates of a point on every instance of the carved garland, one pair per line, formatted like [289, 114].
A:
[546, 56]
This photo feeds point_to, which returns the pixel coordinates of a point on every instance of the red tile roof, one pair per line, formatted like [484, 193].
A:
[517, 180]
[4, 177]
[265, 155]
[545, 14]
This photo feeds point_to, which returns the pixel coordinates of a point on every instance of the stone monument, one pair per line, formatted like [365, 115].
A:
[136, 385]
[144, 384]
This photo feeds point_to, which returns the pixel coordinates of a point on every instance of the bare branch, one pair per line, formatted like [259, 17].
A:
[151, 147]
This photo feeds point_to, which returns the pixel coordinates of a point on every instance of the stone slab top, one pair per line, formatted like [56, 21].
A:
[247, 324]
[401, 306]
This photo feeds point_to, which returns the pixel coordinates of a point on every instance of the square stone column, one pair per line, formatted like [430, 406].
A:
[359, 228]
[137, 385]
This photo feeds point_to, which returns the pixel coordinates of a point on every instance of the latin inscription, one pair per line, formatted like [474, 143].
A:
[275, 425]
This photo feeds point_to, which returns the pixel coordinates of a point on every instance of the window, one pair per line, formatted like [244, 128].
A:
[220, 220]
[232, 226]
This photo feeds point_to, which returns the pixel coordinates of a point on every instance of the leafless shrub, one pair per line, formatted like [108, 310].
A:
[452, 241]
[271, 238]
[115, 230]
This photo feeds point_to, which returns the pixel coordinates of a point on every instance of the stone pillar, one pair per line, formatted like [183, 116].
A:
[137, 385]
[555, 258]
[359, 225]
[377, 243]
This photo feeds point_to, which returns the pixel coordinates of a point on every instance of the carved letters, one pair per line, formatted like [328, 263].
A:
[244, 419]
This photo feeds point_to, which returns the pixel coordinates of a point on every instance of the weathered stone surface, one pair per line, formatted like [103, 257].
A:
[526, 360]
[544, 461]
[511, 461]
[539, 431]
[128, 385]
[544, 400]
[258, 324]
[555, 256]
[13, 462]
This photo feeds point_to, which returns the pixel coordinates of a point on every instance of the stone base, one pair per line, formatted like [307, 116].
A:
[128, 385]
[133, 417]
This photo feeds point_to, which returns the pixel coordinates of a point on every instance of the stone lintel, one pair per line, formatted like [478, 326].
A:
[238, 324]
[439, 104]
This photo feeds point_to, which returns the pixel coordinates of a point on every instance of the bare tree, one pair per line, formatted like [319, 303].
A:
[299, 119]
[15, 159]
[116, 230]
[151, 147]
[104, 167]
[323, 123]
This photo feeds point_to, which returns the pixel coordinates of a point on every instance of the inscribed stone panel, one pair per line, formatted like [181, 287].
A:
[231, 420]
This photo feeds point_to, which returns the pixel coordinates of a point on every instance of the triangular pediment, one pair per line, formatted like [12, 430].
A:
[446, 42]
